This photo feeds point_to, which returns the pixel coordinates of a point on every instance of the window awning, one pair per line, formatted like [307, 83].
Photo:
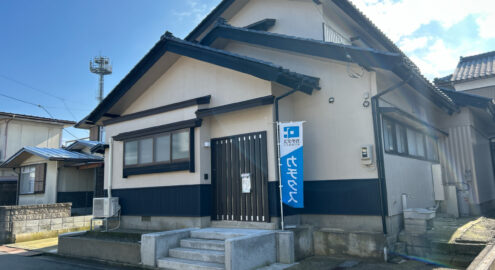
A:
[412, 121]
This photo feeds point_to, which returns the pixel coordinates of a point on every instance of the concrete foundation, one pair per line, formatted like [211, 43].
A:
[330, 242]
[156, 223]
[303, 241]
[371, 224]
[120, 249]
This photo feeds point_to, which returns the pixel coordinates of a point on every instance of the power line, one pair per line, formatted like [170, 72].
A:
[39, 106]
[63, 100]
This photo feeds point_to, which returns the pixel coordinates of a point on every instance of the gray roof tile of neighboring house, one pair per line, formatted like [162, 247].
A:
[475, 67]
[84, 143]
[53, 154]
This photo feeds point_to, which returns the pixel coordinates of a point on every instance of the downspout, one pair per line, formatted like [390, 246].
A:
[380, 164]
[278, 154]
[17, 185]
[5, 139]
[110, 167]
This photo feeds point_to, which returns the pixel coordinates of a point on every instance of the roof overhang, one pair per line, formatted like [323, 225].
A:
[411, 120]
[22, 155]
[38, 119]
[471, 100]
[81, 144]
[366, 57]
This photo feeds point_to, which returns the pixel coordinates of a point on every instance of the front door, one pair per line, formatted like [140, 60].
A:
[240, 178]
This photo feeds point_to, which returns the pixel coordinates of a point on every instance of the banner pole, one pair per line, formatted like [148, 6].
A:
[280, 178]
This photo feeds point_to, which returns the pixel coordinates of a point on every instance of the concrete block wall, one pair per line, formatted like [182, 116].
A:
[29, 222]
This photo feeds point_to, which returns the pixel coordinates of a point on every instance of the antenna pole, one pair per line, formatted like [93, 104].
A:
[100, 94]
[100, 65]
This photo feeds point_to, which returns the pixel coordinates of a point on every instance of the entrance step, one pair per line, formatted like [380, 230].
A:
[244, 224]
[222, 234]
[214, 235]
[175, 263]
[203, 244]
[203, 255]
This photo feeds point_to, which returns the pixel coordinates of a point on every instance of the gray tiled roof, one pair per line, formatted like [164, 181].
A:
[475, 67]
[84, 143]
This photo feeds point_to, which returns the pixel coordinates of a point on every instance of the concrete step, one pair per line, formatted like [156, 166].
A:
[216, 235]
[244, 224]
[203, 255]
[182, 264]
[203, 244]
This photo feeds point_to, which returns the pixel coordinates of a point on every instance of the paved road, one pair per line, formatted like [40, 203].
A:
[18, 262]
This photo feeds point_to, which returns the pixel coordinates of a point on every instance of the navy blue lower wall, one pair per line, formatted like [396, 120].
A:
[79, 199]
[179, 201]
[332, 197]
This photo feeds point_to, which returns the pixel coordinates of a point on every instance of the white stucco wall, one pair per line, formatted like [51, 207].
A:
[187, 79]
[27, 133]
[474, 84]
[50, 195]
[333, 133]
[296, 18]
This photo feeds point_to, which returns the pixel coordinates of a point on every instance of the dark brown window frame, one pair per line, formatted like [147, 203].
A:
[36, 171]
[406, 154]
[159, 167]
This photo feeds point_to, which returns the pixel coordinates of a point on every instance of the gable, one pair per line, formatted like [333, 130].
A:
[188, 78]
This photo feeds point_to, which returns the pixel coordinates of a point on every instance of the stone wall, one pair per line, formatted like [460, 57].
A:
[29, 222]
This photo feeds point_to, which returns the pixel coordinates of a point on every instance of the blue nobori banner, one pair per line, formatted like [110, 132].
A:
[291, 163]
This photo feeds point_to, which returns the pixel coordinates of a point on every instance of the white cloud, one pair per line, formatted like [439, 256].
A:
[196, 11]
[486, 24]
[400, 19]
[412, 44]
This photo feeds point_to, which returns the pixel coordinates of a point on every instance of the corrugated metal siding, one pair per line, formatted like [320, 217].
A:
[460, 158]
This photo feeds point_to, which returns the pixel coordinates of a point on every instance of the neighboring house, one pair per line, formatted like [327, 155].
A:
[54, 175]
[194, 114]
[471, 132]
[17, 131]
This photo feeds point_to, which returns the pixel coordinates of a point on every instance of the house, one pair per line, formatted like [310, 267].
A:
[54, 175]
[196, 113]
[471, 132]
[17, 131]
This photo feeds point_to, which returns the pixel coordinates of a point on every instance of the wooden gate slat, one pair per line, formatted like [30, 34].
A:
[232, 157]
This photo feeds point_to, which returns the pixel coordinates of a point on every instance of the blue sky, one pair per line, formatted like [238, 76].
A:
[47, 45]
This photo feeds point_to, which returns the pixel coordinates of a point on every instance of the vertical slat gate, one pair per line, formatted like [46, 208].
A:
[232, 157]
